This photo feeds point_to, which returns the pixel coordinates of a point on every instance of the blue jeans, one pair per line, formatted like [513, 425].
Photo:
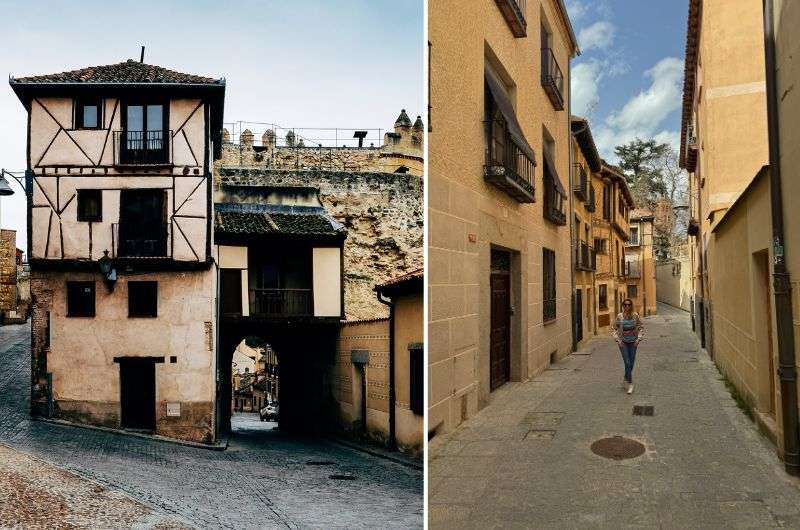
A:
[628, 350]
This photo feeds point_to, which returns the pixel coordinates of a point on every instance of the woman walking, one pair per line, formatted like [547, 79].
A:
[628, 331]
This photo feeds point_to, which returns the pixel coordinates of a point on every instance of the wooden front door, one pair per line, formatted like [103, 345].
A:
[578, 315]
[138, 393]
[500, 348]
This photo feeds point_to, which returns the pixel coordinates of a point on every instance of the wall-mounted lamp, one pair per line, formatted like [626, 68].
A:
[107, 269]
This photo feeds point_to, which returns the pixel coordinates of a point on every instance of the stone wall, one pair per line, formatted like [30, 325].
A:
[383, 215]
[8, 270]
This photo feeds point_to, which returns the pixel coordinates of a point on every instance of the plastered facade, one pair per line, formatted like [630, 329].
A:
[468, 217]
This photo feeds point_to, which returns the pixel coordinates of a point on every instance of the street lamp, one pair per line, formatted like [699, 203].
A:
[107, 269]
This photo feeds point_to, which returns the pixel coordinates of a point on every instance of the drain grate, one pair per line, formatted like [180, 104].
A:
[340, 476]
[540, 434]
[643, 410]
[320, 463]
[617, 448]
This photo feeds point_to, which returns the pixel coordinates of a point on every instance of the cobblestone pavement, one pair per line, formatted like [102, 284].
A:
[524, 461]
[36, 495]
[263, 480]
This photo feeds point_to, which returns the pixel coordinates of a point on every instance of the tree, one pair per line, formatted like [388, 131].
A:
[658, 184]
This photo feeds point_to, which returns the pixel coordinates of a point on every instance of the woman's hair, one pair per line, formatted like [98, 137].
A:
[627, 301]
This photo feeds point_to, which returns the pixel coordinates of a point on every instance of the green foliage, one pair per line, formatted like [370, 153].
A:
[642, 161]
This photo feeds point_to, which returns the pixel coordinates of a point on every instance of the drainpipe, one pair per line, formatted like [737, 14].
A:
[787, 371]
[392, 395]
[573, 240]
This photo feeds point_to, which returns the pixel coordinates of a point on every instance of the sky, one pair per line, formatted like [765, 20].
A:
[628, 79]
[297, 64]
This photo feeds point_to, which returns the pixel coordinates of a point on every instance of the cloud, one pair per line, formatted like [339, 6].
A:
[642, 115]
[577, 10]
[650, 107]
[599, 35]
[586, 78]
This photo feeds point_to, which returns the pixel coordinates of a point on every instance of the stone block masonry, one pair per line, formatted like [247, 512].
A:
[383, 216]
[8, 271]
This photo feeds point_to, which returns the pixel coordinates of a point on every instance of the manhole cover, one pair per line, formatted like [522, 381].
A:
[342, 477]
[319, 463]
[643, 410]
[617, 448]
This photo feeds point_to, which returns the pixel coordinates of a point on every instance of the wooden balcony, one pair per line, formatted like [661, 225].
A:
[591, 204]
[553, 208]
[281, 302]
[514, 13]
[585, 257]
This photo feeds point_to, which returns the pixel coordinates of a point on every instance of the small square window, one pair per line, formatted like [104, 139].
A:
[80, 299]
[632, 291]
[90, 205]
[88, 114]
[142, 299]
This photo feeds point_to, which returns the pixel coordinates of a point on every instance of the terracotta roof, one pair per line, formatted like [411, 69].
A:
[401, 283]
[129, 71]
[619, 176]
[583, 134]
[232, 218]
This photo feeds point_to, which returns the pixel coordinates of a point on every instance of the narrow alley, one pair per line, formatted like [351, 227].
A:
[526, 460]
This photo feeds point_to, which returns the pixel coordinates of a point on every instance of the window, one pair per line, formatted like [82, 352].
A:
[144, 138]
[602, 295]
[80, 299]
[607, 202]
[88, 114]
[600, 245]
[142, 223]
[633, 292]
[142, 299]
[416, 384]
[549, 285]
[90, 205]
[634, 240]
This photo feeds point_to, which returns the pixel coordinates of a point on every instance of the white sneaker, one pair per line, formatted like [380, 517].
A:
[630, 388]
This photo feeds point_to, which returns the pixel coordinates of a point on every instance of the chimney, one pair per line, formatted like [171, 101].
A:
[141, 59]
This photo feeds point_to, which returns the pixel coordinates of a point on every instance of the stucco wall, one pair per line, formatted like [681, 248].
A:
[674, 282]
[81, 352]
[383, 216]
[467, 216]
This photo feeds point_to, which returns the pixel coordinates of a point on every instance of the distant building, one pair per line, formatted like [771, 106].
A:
[640, 274]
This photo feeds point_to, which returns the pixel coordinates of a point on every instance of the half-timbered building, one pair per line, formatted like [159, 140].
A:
[120, 237]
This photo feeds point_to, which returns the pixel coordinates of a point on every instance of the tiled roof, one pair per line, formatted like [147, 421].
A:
[129, 71]
[640, 213]
[233, 219]
[404, 281]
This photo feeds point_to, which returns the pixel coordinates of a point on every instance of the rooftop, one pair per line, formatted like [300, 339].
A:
[263, 219]
[129, 71]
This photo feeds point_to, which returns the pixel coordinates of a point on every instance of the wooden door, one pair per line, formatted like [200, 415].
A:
[500, 339]
[138, 393]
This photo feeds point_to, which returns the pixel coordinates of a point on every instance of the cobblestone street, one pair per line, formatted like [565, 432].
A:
[524, 461]
[263, 480]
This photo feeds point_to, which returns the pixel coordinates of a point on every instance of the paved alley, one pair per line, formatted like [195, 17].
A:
[525, 460]
[264, 480]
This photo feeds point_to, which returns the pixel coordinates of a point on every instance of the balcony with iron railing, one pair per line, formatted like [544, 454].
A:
[132, 244]
[552, 79]
[142, 148]
[591, 204]
[585, 257]
[580, 182]
[514, 13]
[553, 207]
[281, 302]
[507, 166]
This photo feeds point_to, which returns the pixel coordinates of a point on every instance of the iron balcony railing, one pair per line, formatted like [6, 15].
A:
[632, 269]
[154, 245]
[281, 302]
[514, 13]
[549, 310]
[142, 148]
[591, 204]
[552, 79]
[580, 181]
[553, 208]
[585, 257]
[507, 166]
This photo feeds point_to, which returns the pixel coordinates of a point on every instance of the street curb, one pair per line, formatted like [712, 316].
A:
[221, 446]
[374, 452]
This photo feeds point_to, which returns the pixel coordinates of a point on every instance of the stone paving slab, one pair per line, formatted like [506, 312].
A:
[261, 481]
[705, 464]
